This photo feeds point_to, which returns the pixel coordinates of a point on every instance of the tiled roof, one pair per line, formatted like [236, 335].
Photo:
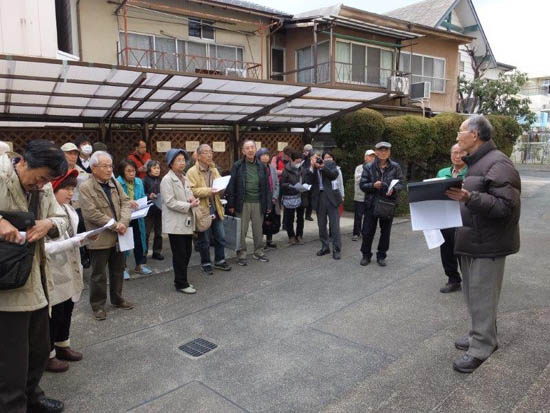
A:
[252, 6]
[427, 12]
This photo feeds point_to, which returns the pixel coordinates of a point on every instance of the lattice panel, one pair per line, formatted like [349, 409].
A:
[270, 140]
[20, 136]
[178, 139]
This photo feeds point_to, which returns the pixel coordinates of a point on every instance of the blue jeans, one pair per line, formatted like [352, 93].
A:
[217, 231]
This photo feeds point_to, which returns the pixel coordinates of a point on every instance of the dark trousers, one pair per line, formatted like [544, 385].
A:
[328, 214]
[448, 257]
[309, 208]
[24, 351]
[181, 246]
[60, 322]
[139, 254]
[359, 211]
[218, 234]
[100, 259]
[288, 217]
[370, 223]
[80, 229]
[153, 222]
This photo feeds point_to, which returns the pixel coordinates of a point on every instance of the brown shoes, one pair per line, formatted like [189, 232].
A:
[67, 354]
[124, 305]
[100, 314]
[56, 366]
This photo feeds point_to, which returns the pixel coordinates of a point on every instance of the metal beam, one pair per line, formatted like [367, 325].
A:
[120, 101]
[266, 109]
[166, 107]
[336, 115]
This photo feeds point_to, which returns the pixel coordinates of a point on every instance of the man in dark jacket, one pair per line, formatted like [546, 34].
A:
[375, 183]
[490, 208]
[325, 200]
[248, 196]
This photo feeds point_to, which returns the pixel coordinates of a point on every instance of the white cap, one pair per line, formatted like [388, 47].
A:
[369, 152]
[69, 146]
[4, 147]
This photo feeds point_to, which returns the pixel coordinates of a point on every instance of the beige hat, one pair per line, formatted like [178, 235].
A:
[369, 152]
[69, 146]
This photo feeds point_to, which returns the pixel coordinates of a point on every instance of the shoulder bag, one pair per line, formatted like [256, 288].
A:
[384, 208]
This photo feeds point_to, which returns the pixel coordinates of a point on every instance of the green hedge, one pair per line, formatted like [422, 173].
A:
[421, 146]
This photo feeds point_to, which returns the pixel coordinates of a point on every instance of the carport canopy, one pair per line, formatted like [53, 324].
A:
[43, 90]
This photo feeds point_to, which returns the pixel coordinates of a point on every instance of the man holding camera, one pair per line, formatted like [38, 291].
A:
[24, 321]
[325, 200]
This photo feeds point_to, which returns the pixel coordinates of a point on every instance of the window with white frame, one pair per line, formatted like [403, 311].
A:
[179, 55]
[305, 62]
[201, 29]
[424, 69]
[359, 63]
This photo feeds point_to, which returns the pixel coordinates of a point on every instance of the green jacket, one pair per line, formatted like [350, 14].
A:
[448, 172]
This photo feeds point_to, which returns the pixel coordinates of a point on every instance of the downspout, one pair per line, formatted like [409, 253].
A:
[79, 29]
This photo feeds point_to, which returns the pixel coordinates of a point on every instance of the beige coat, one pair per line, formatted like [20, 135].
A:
[177, 216]
[82, 176]
[96, 210]
[64, 263]
[34, 294]
[201, 190]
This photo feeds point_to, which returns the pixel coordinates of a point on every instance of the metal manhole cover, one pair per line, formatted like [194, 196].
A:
[197, 347]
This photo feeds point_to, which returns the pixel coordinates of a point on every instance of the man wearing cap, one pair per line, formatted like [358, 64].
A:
[375, 182]
[359, 196]
[102, 199]
[448, 257]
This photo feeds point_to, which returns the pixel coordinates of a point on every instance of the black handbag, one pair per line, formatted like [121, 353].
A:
[271, 224]
[16, 260]
[384, 208]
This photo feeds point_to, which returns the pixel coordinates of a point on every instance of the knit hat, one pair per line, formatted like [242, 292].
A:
[261, 151]
[172, 153]
[58, 181]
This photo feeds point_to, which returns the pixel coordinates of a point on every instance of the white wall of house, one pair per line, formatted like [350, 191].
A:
[28, 27]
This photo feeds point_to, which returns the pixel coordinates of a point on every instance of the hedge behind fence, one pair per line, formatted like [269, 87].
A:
[421, 146]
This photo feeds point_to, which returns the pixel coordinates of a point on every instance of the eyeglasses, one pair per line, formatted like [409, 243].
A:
[462, 133]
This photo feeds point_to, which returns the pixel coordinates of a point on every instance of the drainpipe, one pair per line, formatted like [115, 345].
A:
[78, 29]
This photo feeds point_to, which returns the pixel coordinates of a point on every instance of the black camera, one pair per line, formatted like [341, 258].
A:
[319, 161]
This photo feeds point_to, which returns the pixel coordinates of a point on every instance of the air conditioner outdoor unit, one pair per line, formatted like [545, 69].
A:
[421, 90]
[399, 84]
[230, 71]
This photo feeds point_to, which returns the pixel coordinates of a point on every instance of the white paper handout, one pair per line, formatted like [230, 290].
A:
[434, 238]
[427, 215]
[392, 184]
[220, 184]
[96, 231]
[142, 209]
[301, 187]
[126, 241]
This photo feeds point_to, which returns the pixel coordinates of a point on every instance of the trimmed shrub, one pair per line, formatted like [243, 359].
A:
[506, 130]
[361, 128]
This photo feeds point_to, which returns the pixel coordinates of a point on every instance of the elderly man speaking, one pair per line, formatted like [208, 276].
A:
[102, 198]
[490, 208]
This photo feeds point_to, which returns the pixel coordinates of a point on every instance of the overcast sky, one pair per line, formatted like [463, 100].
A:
[518, 31]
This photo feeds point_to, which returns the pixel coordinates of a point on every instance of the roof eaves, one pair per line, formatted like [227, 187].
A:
[249, 7]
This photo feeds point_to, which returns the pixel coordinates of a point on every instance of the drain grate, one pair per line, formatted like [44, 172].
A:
[197, 347]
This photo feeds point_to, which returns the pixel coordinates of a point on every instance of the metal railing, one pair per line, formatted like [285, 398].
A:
[154, 59]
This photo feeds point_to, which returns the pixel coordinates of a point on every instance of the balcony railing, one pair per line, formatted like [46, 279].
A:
[154, 59]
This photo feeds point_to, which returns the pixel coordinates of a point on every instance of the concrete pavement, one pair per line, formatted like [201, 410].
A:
[308, 334]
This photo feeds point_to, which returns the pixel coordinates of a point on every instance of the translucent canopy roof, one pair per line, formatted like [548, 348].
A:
[35, 89]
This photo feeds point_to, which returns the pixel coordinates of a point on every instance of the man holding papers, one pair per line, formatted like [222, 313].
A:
[201, 179]
[490, 209]
[448, 257]
[102, 198]
[381, 181]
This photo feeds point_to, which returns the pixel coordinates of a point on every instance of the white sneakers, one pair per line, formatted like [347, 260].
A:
[188, 290]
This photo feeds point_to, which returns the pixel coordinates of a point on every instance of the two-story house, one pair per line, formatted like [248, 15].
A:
[345, 46]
